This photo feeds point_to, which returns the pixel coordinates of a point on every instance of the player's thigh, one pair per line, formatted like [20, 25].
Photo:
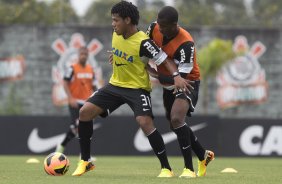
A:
[139, 101]
[168, 99]
[191, 97]
[108, 99]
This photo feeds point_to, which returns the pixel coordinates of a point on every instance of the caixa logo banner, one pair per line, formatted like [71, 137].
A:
[250, 137]
[258, 140]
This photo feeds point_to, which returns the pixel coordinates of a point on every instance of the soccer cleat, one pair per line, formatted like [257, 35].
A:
[83, 167]
[165, 173]
[202, 165]
[60, 148]
[187, 173]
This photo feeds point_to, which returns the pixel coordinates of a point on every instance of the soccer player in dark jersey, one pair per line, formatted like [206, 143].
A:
[180, 48]
[129, 84]
[79, 85]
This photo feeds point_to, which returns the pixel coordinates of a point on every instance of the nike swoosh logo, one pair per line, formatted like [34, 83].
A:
[120, 64]
[186, 147]
[144, 109]
[161, 152]
[142, 144]
[37, 144]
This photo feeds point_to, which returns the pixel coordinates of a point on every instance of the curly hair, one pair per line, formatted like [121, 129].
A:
[126, 9]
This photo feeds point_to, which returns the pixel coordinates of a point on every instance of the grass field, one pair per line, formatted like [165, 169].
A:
[143, 170]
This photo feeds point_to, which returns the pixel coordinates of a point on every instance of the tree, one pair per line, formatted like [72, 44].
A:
[33, 12]
[99, 13]
[268, 13]
[195, 12]
[211, 58]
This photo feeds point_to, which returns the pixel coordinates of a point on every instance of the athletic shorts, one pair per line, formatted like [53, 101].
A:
[74, 115]
[111, 97]
[192, 98]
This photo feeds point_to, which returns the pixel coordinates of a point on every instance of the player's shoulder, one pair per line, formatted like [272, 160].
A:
[151, 28]
[185, 33]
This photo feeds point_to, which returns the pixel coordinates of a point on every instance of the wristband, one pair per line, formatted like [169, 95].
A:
[175, 74]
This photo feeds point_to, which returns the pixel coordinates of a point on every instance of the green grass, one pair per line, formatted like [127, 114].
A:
[143, 170]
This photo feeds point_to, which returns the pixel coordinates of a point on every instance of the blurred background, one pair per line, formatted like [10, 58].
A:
[239, 50]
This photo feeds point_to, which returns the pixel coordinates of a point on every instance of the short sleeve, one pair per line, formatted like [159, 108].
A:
[149, 49]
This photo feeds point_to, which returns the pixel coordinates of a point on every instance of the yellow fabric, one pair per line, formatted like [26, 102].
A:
[128, 68]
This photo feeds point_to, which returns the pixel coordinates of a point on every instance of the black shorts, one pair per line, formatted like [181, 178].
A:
[169, 97]
[74, 115]
[110, 97]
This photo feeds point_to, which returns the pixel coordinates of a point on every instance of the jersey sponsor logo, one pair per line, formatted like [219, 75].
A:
[255, 140]
[68, 55]
[148, 31]
[192, 54]
[123, 55]
[142, 144]
[38, 144]
[151, 48]
[182, 56]
[84, 76]
[243, 79]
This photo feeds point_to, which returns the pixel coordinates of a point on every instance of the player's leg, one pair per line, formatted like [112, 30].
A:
[72, 132]
[156, 142]
[178, 114]
[204, 156]
[140, 103]
[85, 130]
[100, 103]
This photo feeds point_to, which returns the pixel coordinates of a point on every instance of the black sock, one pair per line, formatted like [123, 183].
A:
[196, 146]
[183, 137]
[85, 131]
[157, 143]
[70, 135]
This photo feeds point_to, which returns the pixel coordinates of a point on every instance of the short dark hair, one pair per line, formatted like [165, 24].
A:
[168, 13]
[126, 9]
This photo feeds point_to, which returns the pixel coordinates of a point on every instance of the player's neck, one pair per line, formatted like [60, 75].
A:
[130, 31]
[82, 64]
[174, 34]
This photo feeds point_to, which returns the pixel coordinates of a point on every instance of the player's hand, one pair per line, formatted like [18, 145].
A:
[110, 56]
[182, 84]
[73, 103]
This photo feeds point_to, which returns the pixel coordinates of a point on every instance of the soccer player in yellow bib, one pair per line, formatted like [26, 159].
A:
[129, 84]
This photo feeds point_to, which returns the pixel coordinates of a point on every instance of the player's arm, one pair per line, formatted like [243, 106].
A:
[66, 83]
[184, 55]
[150, 50]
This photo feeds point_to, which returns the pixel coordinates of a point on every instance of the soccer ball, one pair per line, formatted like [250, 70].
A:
[56, 164]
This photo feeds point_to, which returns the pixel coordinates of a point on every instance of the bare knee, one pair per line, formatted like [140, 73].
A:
[146, 124]
[88, 112]
[176, 121]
